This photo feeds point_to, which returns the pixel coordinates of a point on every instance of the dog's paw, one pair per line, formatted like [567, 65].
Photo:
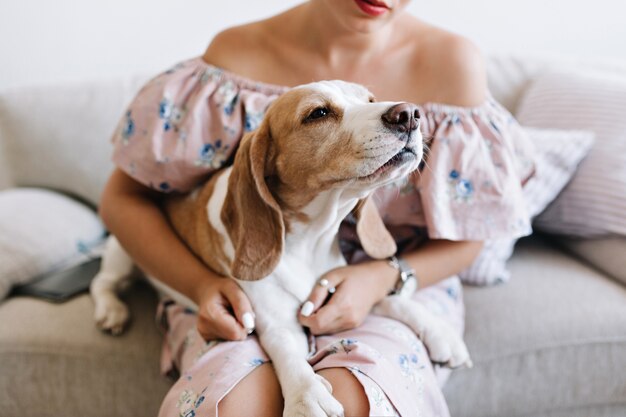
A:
[313, 399]
[111, 315]
[445, 346]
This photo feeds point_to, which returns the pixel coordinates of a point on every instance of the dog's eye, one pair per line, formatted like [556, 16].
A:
[372, 99]
[318, 113]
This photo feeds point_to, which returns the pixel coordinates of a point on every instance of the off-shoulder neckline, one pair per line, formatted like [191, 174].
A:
[269, 88]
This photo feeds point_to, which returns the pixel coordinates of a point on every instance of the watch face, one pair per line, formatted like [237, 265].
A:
[409, 287]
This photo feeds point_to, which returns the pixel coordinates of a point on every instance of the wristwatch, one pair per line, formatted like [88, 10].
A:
[406, 284]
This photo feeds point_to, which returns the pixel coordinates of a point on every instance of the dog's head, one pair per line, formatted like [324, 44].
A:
[319, 137]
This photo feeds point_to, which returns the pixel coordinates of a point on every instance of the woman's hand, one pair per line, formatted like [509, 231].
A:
[358, 288]
[224, 311]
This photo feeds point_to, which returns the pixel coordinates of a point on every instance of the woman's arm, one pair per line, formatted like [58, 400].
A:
[440, 259]
[131, 212]
[361, 286]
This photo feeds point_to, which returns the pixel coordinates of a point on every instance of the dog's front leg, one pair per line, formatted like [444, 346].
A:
[111, 314]
[306, 394]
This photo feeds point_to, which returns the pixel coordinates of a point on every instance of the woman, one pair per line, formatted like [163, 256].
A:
[186, 122]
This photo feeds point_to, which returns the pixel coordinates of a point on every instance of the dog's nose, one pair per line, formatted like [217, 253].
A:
[403, 117]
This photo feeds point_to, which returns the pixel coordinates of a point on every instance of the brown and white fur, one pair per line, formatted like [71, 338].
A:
[271, 220]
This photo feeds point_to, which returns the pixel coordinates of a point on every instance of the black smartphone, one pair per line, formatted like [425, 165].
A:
[59, 286]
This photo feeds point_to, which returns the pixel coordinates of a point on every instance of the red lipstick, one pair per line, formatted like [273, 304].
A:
[373, 8]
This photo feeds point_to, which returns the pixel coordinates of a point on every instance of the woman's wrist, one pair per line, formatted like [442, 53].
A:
[387, 276]
[203, 283]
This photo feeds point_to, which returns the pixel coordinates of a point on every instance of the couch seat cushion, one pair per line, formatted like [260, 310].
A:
[55, 362]
[552, 341]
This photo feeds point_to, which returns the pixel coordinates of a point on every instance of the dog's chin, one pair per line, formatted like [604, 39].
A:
[395, 167]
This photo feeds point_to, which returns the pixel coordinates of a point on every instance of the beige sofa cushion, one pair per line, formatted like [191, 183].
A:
[549, 342]
[54, 362]
[59, 137]
[552, 342]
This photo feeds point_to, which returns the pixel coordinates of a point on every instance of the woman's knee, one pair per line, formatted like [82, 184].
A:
[348, 391]
[258, 394]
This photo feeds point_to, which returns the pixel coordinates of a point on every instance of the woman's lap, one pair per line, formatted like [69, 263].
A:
[384, 355]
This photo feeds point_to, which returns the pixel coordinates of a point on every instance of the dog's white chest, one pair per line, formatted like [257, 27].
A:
[287, 287]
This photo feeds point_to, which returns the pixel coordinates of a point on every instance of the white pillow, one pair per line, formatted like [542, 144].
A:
[594, 203]
[558, 154]
[41, 231]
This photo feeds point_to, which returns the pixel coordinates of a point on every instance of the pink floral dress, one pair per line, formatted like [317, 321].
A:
[186, 122]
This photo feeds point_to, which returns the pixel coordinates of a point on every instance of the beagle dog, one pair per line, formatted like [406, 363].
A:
[270, 221]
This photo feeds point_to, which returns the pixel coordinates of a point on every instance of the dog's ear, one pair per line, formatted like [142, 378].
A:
[374, 236]
[250, 213]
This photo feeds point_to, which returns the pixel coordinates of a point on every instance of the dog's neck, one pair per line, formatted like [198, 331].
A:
[313, 237]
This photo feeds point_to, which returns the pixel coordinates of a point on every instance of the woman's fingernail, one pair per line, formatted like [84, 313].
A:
[248, 321]
[307, 309]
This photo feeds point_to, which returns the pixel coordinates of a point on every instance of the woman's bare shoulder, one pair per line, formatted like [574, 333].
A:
[455, 68]
[234, 47]
[246, 49]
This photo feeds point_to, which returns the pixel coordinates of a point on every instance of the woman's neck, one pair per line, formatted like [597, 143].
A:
[336, 45]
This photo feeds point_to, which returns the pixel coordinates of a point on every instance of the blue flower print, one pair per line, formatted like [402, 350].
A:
[190, 337]
[491, 122]
[212, 155]
[226, 96]
[464, 189]
[406, 360]
[165, 108]
[346, 345]
[230, 131]
[229, 108]
[452, 293]
[128, 128]
[460, 188]
[254, 362]
[188, 402]
[253, 120]
[199, 401]
[171, 114]
[210, 74]
[381, 401]
[408, 365]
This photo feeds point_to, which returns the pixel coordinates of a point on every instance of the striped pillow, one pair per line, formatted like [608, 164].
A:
[558, 154]
[594, 203]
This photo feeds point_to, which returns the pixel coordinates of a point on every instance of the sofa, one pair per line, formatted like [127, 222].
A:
[551, 342]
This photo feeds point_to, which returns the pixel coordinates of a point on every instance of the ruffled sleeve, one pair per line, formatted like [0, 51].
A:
[476, 164]
[186, 122]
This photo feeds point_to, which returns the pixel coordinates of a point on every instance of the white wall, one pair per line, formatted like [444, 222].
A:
[47, 41]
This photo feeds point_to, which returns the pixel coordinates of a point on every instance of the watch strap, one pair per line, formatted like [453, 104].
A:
[407, 280]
